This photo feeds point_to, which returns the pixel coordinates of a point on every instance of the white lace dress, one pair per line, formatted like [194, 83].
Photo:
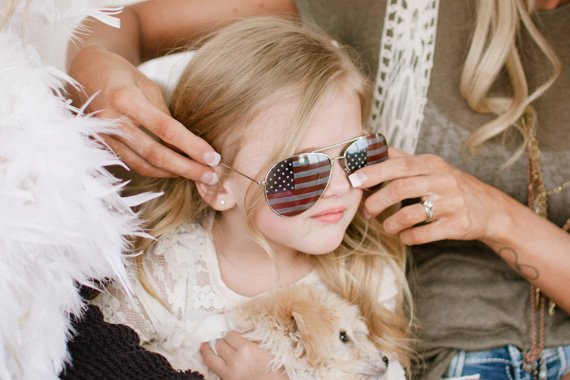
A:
[183, 270]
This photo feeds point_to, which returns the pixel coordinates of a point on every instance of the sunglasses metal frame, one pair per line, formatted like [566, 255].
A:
[263, 182]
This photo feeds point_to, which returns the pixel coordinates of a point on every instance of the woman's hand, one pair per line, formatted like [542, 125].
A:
[464, 208]
[238, 358]
[104, 63]
[151, 139]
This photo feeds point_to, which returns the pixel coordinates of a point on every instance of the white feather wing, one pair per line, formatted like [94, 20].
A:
[62, 220]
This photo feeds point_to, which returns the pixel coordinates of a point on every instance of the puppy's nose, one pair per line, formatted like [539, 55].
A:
[385, 360]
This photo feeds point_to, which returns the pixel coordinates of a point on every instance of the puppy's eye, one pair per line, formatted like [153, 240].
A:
[343, 336]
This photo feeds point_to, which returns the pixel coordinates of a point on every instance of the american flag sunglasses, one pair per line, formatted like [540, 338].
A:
[294, 185]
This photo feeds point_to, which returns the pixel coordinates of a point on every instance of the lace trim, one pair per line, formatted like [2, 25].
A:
[117, 307]
[404, 70]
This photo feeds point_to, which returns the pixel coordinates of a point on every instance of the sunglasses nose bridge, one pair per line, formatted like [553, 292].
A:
[343, 164]
[343, 179]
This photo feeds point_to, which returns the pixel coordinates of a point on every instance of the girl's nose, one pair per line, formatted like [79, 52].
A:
[339, 183]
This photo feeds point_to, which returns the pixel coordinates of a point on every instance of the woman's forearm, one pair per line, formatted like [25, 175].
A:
[533, 246]
[152, 28]
[124, 41]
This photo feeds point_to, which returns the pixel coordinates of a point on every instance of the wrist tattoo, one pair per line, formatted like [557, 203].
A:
[512, 258]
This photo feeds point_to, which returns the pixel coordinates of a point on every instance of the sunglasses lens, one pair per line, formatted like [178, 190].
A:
[295, 184]
[367, 150]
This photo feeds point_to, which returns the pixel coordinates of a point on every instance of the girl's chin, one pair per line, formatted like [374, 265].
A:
[321, 247]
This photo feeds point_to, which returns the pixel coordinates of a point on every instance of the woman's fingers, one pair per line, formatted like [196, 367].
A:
[424, 234]
[396, 191]
[395, 152]
[400, 165]
[143, 113]
[409, 223]
[160, 156]
[406, 217]
[450, 221]
[414, 215]
[162, 125]
[135, 162]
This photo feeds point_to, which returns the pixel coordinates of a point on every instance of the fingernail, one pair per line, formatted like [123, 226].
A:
[365, 214]
[357, 179]
[212, 158]
[209, 178]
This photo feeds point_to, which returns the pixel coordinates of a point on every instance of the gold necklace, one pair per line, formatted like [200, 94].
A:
[538, 202]
[556, 190]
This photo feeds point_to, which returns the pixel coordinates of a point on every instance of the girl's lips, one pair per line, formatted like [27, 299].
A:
[331, 215]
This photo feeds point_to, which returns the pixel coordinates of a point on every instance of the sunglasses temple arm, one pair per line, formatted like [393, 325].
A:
[240, 173]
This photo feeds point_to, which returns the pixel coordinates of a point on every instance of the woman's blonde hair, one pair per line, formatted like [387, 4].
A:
[493, 49]
[235, 75]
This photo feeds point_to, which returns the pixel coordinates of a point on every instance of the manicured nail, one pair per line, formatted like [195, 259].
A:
[209, 178]
[212, 158]
[357, 179]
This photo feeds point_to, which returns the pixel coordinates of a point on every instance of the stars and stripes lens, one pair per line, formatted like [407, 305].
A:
[294, 185]
[367, 150]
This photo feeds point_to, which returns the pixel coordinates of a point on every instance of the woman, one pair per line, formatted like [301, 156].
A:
[476, 244]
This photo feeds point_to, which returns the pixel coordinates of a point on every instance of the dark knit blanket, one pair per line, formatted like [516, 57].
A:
[100, 350]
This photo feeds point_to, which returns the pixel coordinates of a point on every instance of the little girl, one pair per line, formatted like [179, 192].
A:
[284, 105]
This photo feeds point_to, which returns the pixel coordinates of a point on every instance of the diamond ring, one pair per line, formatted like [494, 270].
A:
[428, 208]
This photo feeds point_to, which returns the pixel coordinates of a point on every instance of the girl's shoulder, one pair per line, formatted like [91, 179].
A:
[186, 241]
[177, 257]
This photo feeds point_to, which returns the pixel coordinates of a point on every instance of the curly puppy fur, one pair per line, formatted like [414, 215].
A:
[313, 333]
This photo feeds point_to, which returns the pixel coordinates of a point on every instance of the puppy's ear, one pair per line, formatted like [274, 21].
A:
[310, 326]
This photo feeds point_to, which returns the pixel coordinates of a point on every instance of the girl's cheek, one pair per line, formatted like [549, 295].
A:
[266, 220]
[275, 227]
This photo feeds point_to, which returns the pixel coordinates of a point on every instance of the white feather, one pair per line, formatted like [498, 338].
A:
[62, 220]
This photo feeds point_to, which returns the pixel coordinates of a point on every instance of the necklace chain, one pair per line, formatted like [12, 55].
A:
[538, 202]
[558, 188]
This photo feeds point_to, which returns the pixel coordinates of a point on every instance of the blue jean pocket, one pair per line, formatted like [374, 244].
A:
[506, 363]
[492, 364]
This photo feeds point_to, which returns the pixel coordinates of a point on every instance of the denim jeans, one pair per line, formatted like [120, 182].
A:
[506, 363]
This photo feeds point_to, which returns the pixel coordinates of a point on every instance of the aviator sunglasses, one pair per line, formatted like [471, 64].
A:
[295, 184]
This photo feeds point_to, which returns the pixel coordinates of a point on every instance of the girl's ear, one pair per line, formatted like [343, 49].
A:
[218, 196]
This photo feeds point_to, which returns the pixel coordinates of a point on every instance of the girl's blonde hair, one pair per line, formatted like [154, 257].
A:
[494, 48]
[233, 77]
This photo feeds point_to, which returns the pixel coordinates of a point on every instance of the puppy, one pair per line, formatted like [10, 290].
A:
[313, 333]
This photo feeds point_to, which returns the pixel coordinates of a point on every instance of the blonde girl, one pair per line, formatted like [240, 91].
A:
[261, 92]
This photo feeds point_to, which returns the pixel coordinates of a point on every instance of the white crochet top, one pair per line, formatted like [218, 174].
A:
[183, 269]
